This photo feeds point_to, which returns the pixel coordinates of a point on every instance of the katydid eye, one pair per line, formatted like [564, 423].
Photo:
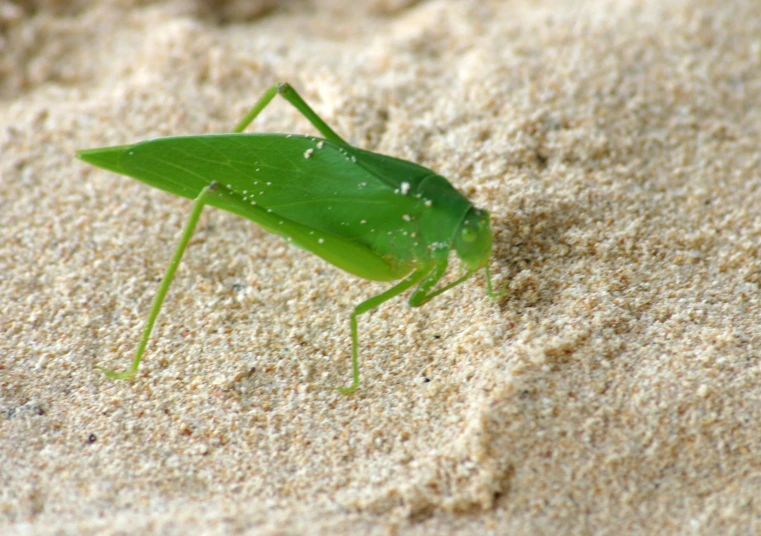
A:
[468, 234]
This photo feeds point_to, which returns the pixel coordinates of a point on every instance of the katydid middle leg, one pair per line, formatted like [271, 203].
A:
[368, 305]
[418, 298]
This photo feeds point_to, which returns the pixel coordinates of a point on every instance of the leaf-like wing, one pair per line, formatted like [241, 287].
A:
[368, 208]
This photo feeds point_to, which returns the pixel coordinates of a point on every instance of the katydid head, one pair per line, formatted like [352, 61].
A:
[473, 239]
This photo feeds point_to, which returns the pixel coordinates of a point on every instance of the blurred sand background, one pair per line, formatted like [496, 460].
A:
[615, 388]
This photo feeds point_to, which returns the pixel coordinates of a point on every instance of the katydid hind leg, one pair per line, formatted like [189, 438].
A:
[286, 91]
[166, 281]
[368, 305]
[260, 105]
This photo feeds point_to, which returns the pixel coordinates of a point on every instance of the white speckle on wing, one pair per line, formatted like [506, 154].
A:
[428, 202]
[321, 240]
[406, 217]
[308, 153]
[405, 188]
[320, 144]
[362, 222]
[361, 185]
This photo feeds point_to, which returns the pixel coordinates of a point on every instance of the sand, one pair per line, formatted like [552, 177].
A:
[616, 387]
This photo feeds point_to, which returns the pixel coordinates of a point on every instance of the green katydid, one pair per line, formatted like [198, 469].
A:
[374, 216]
